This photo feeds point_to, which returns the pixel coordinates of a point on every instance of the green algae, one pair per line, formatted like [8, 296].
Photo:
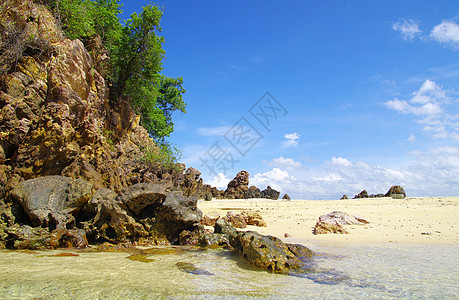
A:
[140, 257]
[191, 268]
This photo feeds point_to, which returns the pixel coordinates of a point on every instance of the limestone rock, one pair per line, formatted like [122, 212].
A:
[49, 201]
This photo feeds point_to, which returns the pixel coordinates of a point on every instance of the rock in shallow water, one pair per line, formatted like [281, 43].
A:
[270, 253]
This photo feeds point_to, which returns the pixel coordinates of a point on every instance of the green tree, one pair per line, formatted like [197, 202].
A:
[136, 56]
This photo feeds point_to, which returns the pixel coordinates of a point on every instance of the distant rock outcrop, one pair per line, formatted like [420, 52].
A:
[362, 194]
[396, 192]
[270, 193]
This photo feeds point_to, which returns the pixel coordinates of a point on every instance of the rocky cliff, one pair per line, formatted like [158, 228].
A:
[56, 120]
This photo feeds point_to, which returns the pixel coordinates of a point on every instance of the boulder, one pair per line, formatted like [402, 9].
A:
[253, 218]
[109, 222]
[144, 196]
[270, 253]
[396, 192]
[286, 197]
[210, 219]
[344, 197]
[270, 193]
[50, 201]
[237, 220]
[333, 222]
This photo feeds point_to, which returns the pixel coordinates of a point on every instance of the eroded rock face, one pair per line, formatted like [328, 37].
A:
[238, 187]
[50, 201]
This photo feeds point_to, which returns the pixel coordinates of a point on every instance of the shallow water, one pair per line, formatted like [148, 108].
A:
[344, 272]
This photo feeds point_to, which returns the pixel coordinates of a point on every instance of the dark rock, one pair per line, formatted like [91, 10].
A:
[143, 197]
[270, 253]
[110, 222]
[177, 213]
[191, 268]
[238, 187]
[208, 197]
[214, 240]
[223, 226]
[286, 197]
[50, 201]
[396, 192]
[252, 192]
[344, 197]
[362, 194]
[270, 193]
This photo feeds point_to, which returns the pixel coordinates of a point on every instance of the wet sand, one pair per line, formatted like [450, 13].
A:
[429, 220]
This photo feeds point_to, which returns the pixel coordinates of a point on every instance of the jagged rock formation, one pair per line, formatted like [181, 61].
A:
[270, 193]
[238, 186]
[362, 194]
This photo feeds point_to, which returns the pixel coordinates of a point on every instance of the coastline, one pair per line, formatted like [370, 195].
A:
[413, 220]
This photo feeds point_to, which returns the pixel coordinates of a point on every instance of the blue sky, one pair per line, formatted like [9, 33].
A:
[362, 94]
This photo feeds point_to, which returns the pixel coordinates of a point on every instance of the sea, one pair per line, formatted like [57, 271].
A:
[357, 271]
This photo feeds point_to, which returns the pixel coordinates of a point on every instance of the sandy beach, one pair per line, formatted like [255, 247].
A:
[429, 220]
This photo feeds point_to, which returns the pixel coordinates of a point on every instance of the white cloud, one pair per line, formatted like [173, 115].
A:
[434, 109]
[431, 173]
[291, 139]
[220, 181]
[213, 131]
[284, 163]
[339, 161]
[446, 32]
[411, 138]
[408, 28]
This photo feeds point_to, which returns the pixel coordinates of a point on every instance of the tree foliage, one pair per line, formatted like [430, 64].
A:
[136, 56]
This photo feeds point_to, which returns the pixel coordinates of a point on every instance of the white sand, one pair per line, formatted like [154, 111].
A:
[433, 220]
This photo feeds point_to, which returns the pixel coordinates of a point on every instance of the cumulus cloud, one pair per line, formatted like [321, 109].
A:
[431, 173]
[411, 138]
[284, 163]
[339, 161]
[213, 131]
[446, 32]
[433, 108]
[291, 139]
[220, 181]
[408, 28]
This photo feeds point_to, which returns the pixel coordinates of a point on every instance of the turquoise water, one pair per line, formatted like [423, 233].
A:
[343, 272]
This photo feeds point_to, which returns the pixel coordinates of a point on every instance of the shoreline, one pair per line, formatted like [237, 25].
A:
[413, 220]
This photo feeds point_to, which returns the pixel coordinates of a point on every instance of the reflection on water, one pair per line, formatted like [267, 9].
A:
[375, 271]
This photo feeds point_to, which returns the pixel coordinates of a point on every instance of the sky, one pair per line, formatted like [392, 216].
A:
[317, 98]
